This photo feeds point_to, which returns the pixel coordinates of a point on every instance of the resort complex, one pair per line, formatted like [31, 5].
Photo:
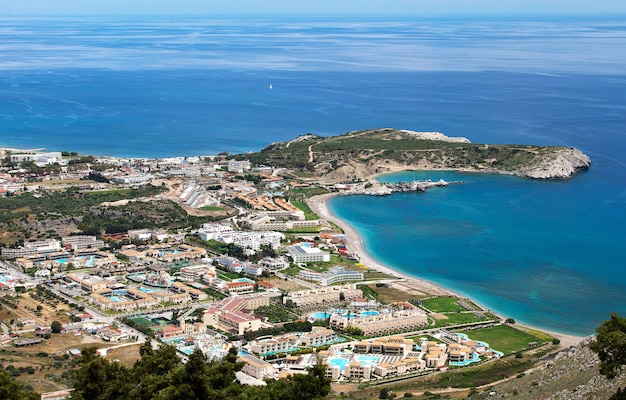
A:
[260, 276]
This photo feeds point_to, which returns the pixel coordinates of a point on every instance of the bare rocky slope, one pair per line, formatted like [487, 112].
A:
[572, 374]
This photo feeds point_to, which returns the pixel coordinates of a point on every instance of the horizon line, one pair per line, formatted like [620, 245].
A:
[329, 14]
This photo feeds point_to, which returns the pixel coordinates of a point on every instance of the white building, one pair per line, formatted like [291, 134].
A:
[333, 275]
[274, 264]
[82, 242]
[251, 242]
[38, 158]
[211, 231]
[305, 253]
[32, 248]
[131, 179]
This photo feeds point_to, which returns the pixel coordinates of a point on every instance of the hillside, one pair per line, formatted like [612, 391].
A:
[571, 374]
[360, 154]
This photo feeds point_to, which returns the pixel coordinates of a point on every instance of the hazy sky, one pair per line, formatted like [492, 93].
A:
[209, 7]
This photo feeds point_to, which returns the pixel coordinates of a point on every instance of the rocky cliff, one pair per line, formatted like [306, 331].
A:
[563, 163]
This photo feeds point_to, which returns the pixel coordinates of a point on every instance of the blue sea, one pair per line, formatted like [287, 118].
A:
[548, 254]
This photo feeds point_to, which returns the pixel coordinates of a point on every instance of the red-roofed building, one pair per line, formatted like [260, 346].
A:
[266, 285]
[240, 287]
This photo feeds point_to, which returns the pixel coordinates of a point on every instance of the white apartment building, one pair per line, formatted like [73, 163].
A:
[196, 272]
[32, 248]
[317, 337]
[251, 240]
[274, 264]
[82, 242]
[132, 179]
[238, 167]
[140, 234]
[38, 158]
[333, 275]
[305, 253]
[211, 231]
[327, 295]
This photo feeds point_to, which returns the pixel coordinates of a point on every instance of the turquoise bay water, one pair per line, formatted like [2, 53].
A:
[547, 253]
[544, 253]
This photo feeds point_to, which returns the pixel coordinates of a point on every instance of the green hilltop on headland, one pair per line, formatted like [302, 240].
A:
[360, 154]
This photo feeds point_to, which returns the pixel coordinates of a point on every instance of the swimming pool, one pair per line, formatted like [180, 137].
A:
[475, 358]
[338, 362]
[367, 359]
[319, 315]
[341, 359]
[115, 299]
[147, 290]
[368, 313]
[243, 280]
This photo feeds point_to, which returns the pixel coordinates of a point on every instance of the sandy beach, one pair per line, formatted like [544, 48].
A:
[356, 246]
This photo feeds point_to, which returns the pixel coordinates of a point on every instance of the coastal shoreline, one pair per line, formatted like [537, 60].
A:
[355, 245]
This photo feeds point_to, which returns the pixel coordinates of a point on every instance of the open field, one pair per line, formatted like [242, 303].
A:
[389, 294]
[443, 304]
[27, 307]
[284, 285]
[459, 318]
[50, 365]
[504, 338]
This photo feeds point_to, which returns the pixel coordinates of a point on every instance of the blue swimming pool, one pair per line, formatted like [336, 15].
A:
[474, 358]
[367, 359]
[341, 360]
[147, 290]
[368, 313]
[338, 362]
[320, 315]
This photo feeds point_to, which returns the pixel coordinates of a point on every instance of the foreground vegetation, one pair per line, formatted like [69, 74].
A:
[160, 375]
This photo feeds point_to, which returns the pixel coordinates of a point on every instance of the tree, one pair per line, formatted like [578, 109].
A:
[11, 390]
[160, 375]
[98, 378]
[610, 345]
[56, 327]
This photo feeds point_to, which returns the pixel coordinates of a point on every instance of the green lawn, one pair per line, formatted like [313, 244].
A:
[226, 275]
[504, 338]
[211, 208]
[291, 271]
[462, 318]
[143, 322]
[308, 213]
[443, 304]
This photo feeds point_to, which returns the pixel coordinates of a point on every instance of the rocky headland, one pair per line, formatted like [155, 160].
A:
[363, 154]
